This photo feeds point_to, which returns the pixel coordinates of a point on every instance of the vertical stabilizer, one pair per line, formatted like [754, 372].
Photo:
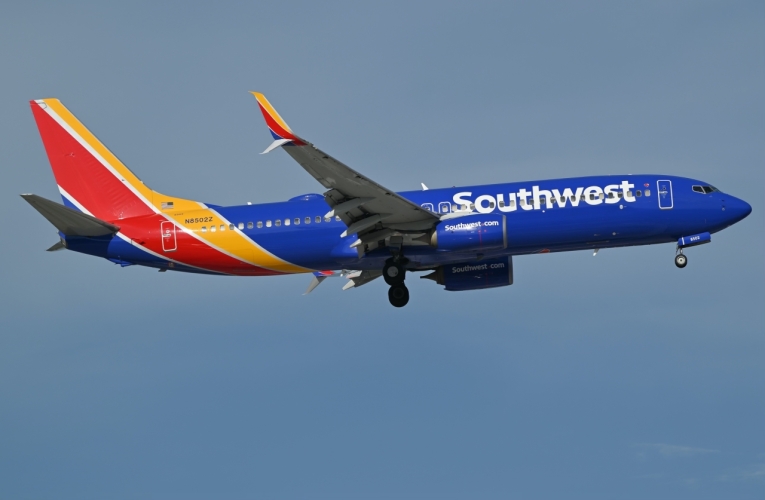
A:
[89, 176]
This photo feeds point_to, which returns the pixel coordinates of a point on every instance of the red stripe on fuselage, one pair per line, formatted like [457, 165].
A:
[145, 231]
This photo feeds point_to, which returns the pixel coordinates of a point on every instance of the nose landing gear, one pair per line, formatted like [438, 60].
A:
[394, 275]
[681, 260]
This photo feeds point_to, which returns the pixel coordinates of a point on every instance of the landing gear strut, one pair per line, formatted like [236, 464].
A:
[394, 275]
[680, 259]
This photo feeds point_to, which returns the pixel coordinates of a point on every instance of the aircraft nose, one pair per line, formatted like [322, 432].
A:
[736, 209]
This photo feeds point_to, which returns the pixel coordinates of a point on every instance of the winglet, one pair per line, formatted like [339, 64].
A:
[276, 124]
[275, 144]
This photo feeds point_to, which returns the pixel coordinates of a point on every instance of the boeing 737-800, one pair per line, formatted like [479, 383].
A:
[465, 237]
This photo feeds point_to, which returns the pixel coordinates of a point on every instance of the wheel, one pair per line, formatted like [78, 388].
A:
[393, 273]
[681, 260]
[398, 295]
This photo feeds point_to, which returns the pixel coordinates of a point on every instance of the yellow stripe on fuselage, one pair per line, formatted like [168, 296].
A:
[230, 241]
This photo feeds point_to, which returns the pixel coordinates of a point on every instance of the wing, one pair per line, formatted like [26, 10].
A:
[370, 210]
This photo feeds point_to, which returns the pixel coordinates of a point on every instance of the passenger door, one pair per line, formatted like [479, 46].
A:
[664, 189]
[167, 230]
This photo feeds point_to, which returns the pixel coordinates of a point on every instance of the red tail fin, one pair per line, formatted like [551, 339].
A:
[88, 175]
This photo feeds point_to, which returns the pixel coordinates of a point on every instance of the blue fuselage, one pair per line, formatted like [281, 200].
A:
[541, 216]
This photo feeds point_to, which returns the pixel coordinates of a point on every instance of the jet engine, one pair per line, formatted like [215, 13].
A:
[476, 275]
[471, 233]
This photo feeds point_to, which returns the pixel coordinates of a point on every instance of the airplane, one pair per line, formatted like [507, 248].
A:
[465, 237]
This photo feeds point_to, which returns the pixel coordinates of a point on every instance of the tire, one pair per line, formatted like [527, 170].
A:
[398, 295]
[681, 261]
[393, 273]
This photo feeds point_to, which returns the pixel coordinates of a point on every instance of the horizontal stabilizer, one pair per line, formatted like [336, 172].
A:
[69, 221]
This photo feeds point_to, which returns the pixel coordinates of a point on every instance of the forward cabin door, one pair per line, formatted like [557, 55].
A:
[167, 230]
[665, 194]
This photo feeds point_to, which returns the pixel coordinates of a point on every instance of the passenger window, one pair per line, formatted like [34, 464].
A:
[512, 203]
[491, 204]
[337, 218]
[327, 219]
[523, 203]
[583, 198]
[204, 229]
[638, 193]
[297, 221]
[231, 227]
[307, 220]
[278, 222]
[286, 222]
[563, 199]
[501, 203]
[317, 219]
[222, 227]
[619, 195]
[472, 206]
[260, 224]
[212, 229]
[610, 195]
[429, 206]
[629, 193]
[268, 223]
[601, 196]
[647, 192]
[241, 225]
[592, 196]
[249, 225]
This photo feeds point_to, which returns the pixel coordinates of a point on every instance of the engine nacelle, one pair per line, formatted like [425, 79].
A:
[471, 233]
[489, 273]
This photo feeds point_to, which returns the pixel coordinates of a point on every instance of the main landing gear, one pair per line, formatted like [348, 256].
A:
[680, 259]
[394, 275]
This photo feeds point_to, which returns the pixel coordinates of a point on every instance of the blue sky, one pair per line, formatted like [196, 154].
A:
[618, 376]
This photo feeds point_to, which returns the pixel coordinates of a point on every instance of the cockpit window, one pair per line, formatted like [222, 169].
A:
[705, 189]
